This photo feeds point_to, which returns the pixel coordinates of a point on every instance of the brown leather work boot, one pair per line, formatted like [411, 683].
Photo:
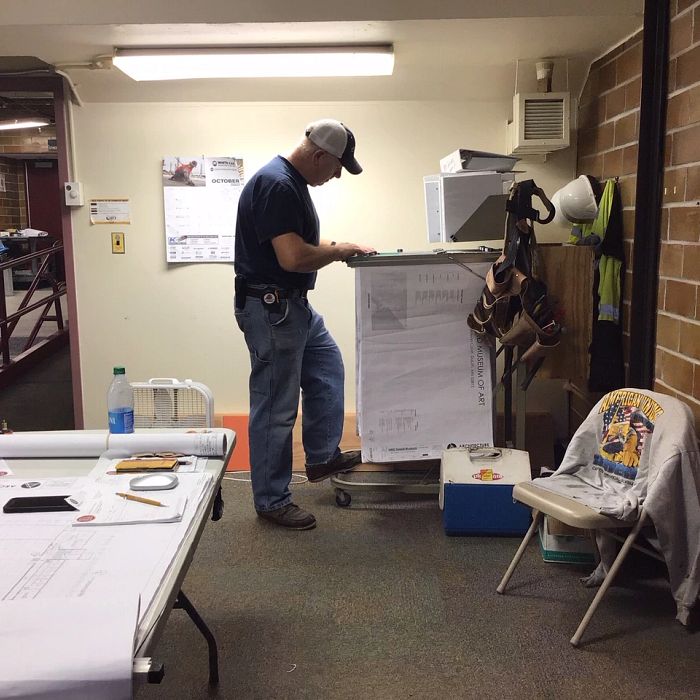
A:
[289, 516]
[342, 463]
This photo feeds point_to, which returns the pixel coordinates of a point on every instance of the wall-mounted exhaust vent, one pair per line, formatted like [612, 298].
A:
[540, 123]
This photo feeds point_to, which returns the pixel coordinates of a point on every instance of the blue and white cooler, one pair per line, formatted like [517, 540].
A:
[476, 491]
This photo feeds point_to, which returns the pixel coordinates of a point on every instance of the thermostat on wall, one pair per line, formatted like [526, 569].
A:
[74, 194]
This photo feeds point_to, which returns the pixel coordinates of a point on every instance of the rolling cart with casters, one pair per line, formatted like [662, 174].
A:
[411, 311]
[414, 481]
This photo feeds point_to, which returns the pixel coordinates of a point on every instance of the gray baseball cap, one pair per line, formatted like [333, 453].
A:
[335, 138]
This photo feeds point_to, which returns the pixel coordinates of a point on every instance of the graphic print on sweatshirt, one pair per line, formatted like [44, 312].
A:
[628, 418]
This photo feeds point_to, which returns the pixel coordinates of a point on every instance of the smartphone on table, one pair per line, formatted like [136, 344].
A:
[37, 504]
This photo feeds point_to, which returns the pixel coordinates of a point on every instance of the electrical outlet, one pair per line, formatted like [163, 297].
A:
[117, 242]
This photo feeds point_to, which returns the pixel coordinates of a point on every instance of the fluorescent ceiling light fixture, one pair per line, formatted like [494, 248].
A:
[22, 123]
[255, 62]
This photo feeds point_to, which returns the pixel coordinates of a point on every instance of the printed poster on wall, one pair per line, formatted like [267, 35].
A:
[110, 211]
[200, 196]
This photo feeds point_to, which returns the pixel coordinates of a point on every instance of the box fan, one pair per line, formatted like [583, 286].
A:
[164, 402]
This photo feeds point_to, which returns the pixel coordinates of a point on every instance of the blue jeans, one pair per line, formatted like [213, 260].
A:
[290, 351]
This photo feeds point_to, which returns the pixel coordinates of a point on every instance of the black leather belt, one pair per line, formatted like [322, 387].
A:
[276, 293]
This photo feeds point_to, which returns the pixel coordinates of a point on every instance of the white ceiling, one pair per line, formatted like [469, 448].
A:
[446, 49]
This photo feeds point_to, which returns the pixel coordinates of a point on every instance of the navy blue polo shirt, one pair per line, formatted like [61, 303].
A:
[274, 201]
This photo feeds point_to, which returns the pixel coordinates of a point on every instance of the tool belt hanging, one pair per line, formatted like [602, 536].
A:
[513, 307]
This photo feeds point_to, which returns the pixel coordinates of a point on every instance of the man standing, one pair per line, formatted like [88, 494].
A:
[278, 251]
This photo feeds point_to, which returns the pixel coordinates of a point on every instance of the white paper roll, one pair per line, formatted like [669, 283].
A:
[201, 444]
[57, 444]
[76, 444]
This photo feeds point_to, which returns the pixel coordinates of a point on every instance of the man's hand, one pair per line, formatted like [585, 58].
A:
[347, 250]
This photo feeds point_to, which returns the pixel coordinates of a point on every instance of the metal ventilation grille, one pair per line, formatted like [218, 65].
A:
[544, 119]
[163, 407]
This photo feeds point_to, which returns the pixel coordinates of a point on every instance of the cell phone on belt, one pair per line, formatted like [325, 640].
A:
[241, 290]
[37, 504]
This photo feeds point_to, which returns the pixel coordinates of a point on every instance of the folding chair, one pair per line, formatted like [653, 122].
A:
[634, 457]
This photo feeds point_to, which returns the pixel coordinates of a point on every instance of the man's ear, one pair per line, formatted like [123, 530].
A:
[317, 155]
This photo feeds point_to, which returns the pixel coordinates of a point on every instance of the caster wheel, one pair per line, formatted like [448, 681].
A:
[342, 498]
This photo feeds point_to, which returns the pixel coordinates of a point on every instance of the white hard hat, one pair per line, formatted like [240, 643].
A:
[575, 203]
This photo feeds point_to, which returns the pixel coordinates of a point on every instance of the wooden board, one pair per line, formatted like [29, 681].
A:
[567, 271]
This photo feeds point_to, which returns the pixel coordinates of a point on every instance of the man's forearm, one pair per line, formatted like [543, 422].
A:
[313, 257]
[296, 255]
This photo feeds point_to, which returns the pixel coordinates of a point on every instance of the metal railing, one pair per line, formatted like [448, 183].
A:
[32, 349]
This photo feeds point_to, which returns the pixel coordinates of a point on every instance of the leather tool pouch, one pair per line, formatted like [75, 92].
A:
[241, 291]
[513, 306]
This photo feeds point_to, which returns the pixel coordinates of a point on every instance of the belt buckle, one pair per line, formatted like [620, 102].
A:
[271, 296]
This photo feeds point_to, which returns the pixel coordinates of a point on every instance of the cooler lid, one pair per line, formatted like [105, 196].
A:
[491, 465]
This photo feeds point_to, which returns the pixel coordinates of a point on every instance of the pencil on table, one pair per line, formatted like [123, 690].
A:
[141, 499]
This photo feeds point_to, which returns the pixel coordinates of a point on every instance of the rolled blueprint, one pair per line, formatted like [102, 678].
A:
[77, 444]
[52, 444]
[199, 443]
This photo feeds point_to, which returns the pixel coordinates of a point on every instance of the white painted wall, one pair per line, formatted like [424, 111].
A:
[177, 320]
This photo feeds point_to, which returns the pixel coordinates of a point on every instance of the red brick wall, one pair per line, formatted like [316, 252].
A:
[678, 319]
[607, 147]
[608, 136]
[13, 208]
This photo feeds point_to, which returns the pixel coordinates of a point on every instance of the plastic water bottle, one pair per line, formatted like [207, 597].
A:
[120, 403]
